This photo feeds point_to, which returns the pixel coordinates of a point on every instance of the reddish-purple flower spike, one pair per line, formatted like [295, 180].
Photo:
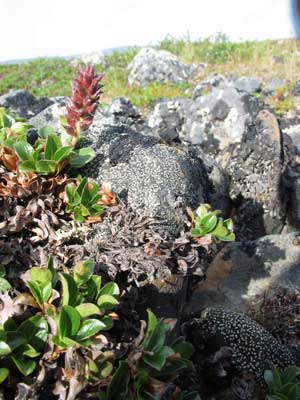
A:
[82, 105]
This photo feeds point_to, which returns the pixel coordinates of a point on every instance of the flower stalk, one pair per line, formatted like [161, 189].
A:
[83, 103]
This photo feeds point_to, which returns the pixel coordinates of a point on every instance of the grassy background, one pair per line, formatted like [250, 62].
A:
[265, 59]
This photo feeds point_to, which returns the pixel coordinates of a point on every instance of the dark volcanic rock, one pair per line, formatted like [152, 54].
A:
[50, 116]
[255, 167]
[213, 121]
[152, 176]
[24, 103]
[151, 65]
[242, 271]
[253, 348]
[121, 112]
[207, 84]
[166, 119]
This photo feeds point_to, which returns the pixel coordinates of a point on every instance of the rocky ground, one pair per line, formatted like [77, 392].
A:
[225, 146]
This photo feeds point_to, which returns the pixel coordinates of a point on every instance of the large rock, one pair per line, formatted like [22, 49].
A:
[50, 116]
[152, 176]
[24, 103]
[242, 271]
[291, 176]
[255, 170]
[214, 121]
[151, 65]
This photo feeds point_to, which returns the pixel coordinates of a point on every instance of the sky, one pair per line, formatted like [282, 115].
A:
[37, 28]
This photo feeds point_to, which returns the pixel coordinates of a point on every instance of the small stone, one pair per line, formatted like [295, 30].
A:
[248, 84]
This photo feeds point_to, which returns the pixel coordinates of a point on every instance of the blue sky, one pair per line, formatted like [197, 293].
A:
[35, 28]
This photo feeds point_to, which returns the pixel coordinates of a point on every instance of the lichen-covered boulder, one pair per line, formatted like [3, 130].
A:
[153, 177]
[213, 121]
[24, 103]
[151, 65]
[255, 169]
[254, 349]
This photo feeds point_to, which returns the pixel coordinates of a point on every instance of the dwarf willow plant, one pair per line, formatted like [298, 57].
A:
[82, 200]
[207, 222]
[49, 156]
[22, 345]
[283, 385]
[151, 366]
[77, 304]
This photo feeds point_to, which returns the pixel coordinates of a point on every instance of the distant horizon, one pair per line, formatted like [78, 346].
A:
[111, 50]
[61, 28]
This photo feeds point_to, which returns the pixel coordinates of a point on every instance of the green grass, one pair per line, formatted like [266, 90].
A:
[51, 77]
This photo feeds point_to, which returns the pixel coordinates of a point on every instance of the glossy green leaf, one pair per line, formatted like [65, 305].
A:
[155, 338]
[41, 274]
[106, 369]
[46, 131]
[25, 365]
[7, 121]
[64, 342]
[4, 349]
[83, 271]
[185, 349]
[46, 166]
[89, 328]
[53, 143]
[106, 302]
[69, 295]
[118, 387]
[15, 339]
[68, 322]
[24, 150]
[73, 197]
[158, 359]
[209, 222]
[87, 309]
[84, 156]
[110, 288]
[36, 291]
[29, 351]
[93, 287]
[35, 329]
[62, 153]
[152, 324]
[27, 166]
[4, 372]
[4, 285]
